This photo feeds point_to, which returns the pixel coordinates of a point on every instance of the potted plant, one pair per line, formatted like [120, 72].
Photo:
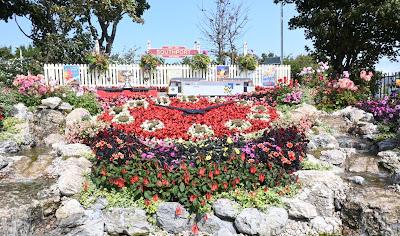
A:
[199, 61]
[247, 63]
[149, 63]
[98, 62]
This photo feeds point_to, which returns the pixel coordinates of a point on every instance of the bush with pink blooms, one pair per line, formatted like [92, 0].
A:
[32, 88]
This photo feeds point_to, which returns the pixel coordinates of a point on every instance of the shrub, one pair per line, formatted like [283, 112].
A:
[32, 89]
[83, 130]
[248, 62]
[84, 98]
[198, 61]
[192, 173]
[281, 94]
[149, 62]
[9, 69]
[8, 97]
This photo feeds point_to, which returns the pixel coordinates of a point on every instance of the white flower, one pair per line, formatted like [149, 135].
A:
[162, 101]
[245, 102]
[152, 125]
[200, 131]
[116, 110]
[123, 118]
[237, 124]
[259, 108]
[192, 99]
[217, 100]
[258, 116]
[136, 103]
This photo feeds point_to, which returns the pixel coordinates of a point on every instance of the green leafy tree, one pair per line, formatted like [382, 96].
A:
[298, 63]
[351, 34]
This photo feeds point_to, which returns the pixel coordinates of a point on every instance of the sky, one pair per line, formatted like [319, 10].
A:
[176, 23]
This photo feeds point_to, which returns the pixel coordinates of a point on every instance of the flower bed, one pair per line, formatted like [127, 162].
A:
[145, 119]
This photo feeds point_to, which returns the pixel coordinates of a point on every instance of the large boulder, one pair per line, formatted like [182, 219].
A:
[54, 139]
[226, 209]
[388, 144]
[355, 115]
[211, 224]
[173, 217]
[299, 209]
[323, 141]
[20, 111]
[65, 106]
[334, 157]
[70, 214]
[305, 111]
[72, 176]
[126, 221]
[253, 222]
[76, 115]
[47, 122]
[327, 225]
[9, 146]
[51, 102]
[72, 150]
[390, 160]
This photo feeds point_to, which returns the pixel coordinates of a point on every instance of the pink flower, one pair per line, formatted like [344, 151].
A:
[366, 76]
[346, 74]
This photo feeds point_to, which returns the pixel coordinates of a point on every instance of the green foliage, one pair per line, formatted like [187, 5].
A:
[8, 97]
[9, 69]
[352, 36]
[297, 64]
[386, 131]
[248, 62]
[310, 165]
[9, 129]
[330, 99]
[128, 57]
[98, 62]
[149, 62]
[87, 100]
[197, 62]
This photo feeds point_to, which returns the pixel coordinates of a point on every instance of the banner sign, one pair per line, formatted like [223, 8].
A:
[173, 52]
[222, 72]
[268, 78]
[71, 74]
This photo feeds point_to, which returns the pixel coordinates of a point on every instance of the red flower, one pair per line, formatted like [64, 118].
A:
[192, 198]
[120, 182]
[147, 202]
[225, 184]
[211, 175]
[103, 172]
[217, 172]
[164, 182]
[123, 171]
[214, 187]
[289, 145]
[203, 203]
[178, 211]
[292, 156]
[183, 166]
[159, 175]
[243, 156]
[208, 196]
[253, 169]
[202, 172]
[186, 177]
[261, 178]
[134, 179]
[155, 198]
[195, 229]
[145, 181]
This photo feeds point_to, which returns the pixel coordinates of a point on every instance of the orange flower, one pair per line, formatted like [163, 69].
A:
[178, 211]
[253, 169]
[134, 179]
[214, 187]
[289, 145]
[202, 172]
[155, 198]
[261, 178]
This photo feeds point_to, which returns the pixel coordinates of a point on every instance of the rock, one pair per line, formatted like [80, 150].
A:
[368, 130]
[168, 220]
[355, 115]
[323, 189]
[388, 144]
[72, 177]
[298, 228]
[251, 221]
[9, 146]
[211, 224]
[3, 164]
[334, 157]
[51, 102]
[226, 209]
[65, 106]
[323, 141]
[300, 209]
[357, 180]
[353, 142]
[76, 115]
[305, 110]
[72, 150]
[54, 139]
[89, 228]
[223, 232]
[70, 214]
[329, 225]
[127, 221]
[20, 111]
[47, 122]
[276, 220]
[391, 162]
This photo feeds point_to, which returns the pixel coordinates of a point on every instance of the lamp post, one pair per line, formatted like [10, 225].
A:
[281, 33]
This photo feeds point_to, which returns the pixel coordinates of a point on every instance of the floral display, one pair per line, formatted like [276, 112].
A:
[225, 120]
[83, 130]
[31, 85]
[152, 125]
[366, 76]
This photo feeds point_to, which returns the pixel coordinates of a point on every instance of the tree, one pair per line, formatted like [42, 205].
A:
[298, 63]
[223, 26]
[108, 14]
[351, 34]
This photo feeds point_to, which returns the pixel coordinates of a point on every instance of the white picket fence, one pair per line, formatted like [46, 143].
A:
[114, 76]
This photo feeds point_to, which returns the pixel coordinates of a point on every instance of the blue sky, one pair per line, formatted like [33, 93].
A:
[175, 22]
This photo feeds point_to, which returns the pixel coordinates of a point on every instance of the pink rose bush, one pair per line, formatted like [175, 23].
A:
[345, 83]
[366, 76]
[31, 85]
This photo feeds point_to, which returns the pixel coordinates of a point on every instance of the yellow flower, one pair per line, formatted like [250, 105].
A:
[225, 149]
[237, 151]
[229, 140]
[208, 157]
